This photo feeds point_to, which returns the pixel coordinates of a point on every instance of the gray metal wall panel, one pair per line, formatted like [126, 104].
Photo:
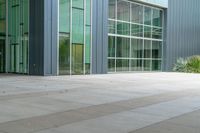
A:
[36, 36]
[99, 35]
[183, 30]
[50, 37]
[164, 41]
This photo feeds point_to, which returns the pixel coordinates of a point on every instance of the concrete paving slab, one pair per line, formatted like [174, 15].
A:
[73, 103]
[182, 124]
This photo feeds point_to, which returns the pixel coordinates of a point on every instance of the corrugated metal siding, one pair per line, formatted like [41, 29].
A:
[183, 30]
[99, 36]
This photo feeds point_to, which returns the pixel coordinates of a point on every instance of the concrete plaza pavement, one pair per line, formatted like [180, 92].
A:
[112, 103]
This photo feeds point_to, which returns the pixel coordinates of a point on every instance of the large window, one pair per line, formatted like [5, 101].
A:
[135, 37]
[75, 37]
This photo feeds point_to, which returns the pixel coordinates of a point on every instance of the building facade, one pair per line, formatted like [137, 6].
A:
[78, 37]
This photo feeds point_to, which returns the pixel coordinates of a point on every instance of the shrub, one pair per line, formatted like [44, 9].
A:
[181, 65]
[191, 65]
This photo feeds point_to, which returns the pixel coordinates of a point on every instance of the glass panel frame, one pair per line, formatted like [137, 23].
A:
[80, 36]
[144, 24]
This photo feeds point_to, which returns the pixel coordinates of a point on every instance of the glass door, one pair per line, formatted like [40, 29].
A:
[2, 56]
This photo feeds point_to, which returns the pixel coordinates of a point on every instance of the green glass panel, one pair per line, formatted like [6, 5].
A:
[147, 15]
[77, 41]
[122, 65]
[112, 9]
[111, 27]
[123, 10]
[123, 28]
[78, 3]
[136, 30]
[111, 46]
[147, 65]
[64, 16]
[147, 32]
[137, 48]
[157, 17]
[156, 49]
[77, 58]
[137, 13]
[88, 12]
[111, 65]
[147, 49]
[123, 47]
[77, 26]
[136, 65]
[156, 65]
[157, 33]
[64, 54]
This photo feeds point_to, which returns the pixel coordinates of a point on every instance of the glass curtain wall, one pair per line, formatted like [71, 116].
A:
[135, 37]
[74, 37]
[2, 34]
[18, 32]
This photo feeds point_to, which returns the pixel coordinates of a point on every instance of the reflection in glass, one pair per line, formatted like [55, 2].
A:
[157, 17]
[156, 65]
[122, 65]
[111, 65]
[147, 65]
[157, 33]
[111, 46]
[112, 7]
[64, 54]
[136, 30]
[137, 13]
[78, 3]
[123, 47]
[88, 13]
[123, 10]
[111, 27]
[77, 58]
[136, 65]
[147, 32]
[156, 49]
[64, 15]
[136, 48]
[123, 28]
[147, 15]
[147, 49]
[77, 26]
